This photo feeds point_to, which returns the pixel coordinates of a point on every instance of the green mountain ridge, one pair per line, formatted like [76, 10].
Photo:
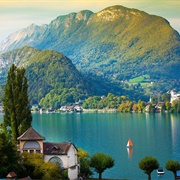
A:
[49, 73]
[115, 44]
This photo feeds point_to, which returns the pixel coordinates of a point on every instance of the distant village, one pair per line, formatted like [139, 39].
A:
[77, 107]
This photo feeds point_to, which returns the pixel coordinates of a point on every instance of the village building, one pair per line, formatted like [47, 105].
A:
[174, 96]
[11, 176]
[64, 153]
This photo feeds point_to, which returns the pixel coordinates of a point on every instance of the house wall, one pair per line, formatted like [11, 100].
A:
[69, 162]
[174, 96]
[73, 163]
[72, 154]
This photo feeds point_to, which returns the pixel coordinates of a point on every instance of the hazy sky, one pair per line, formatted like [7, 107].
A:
[18, 14]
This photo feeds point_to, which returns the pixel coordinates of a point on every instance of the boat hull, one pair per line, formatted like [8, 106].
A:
[160, 172]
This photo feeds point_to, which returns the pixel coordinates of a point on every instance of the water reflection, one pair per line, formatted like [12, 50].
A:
[175, 134]
[130, 152]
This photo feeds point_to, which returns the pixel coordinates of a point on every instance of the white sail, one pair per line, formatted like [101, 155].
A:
[129, 143]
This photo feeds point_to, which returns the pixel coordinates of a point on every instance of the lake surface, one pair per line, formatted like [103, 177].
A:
[156, 135]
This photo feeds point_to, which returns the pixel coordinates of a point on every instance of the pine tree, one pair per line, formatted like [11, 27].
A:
[9, 155]
[17, 113]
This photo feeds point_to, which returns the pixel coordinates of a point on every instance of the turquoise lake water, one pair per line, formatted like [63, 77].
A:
[156, 135]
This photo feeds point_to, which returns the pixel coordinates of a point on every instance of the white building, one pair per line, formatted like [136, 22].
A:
[174, 96]
[65, 153]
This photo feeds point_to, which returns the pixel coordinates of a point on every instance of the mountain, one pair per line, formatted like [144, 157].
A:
[25, 36]
[51, 76]
[115, 44]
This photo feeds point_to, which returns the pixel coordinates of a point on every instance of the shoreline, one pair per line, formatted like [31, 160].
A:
[100, 110]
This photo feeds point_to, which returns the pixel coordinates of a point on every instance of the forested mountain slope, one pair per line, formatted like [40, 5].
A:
[50, 74]
[115, 44]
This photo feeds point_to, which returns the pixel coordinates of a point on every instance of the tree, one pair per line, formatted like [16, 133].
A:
[100, 162]
[168, 105]
[154, 100]
[141, 105]
[173, 166]
[84, 157]
[17, 113]
[163, 107]
[176, 106]
[166, 97]
[34, 166]
[126, 106]
[8, 154]
[148, 164]
[152, 108]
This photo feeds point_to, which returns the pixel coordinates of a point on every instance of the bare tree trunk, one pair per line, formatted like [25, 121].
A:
[175, 176]
[100, 175]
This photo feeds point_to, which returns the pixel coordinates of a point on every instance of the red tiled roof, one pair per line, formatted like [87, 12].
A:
[56, 148]
[31, 134]
[11, 175]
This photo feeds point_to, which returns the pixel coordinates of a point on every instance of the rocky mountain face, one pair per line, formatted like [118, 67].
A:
[116, 43]
[25, 36]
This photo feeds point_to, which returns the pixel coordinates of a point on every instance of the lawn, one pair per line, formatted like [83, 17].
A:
[139, 79]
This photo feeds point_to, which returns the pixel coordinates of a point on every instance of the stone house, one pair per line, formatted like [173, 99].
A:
[64, 153]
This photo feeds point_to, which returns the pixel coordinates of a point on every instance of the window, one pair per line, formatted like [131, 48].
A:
[31, 151]
[38, 151]
[57, 161]
[31, 145]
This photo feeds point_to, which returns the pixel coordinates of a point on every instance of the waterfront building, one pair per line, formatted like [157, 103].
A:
[174, 96]
[63, 153]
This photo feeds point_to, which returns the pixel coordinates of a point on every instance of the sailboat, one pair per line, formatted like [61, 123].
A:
[129, 143]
